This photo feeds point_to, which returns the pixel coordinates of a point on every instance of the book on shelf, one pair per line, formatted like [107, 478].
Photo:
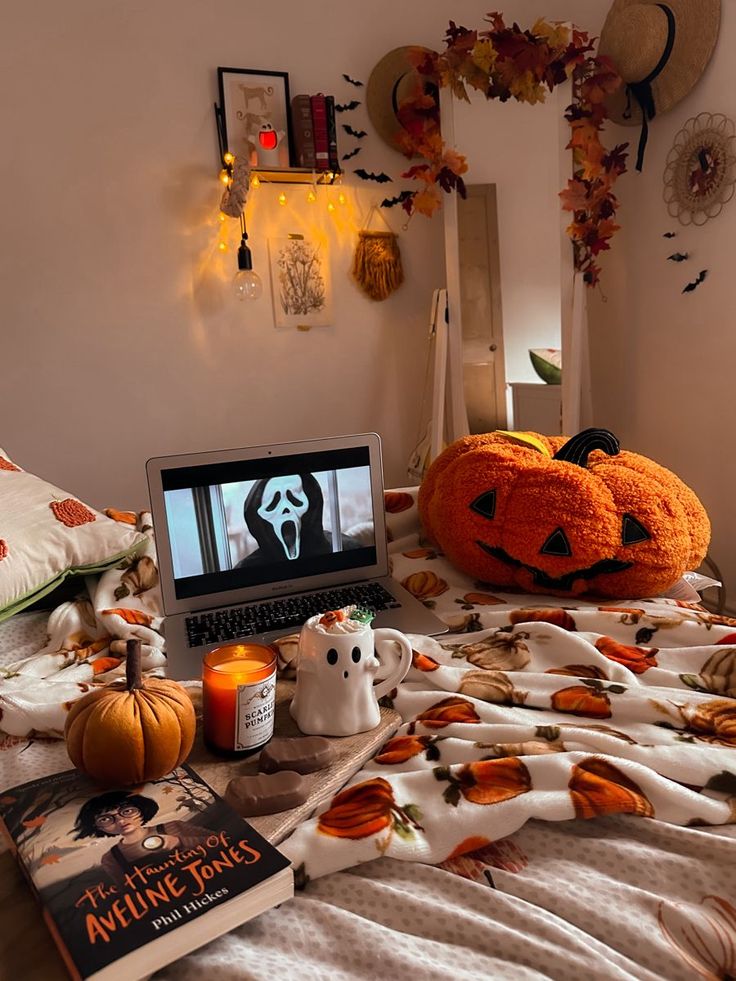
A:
[301, 127]
[332, 152]
[130, 880]
[319, 127]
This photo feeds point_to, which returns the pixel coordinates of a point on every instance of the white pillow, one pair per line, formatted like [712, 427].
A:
[47, 535]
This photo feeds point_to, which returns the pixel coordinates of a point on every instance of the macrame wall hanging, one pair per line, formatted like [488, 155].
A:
[377, 261]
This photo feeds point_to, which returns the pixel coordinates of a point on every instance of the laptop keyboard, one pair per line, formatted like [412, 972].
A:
[284, 614]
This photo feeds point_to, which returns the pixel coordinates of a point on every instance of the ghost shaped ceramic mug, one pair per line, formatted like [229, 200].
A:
[335, 692]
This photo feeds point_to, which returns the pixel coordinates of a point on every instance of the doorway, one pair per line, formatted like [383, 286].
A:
[484, 372]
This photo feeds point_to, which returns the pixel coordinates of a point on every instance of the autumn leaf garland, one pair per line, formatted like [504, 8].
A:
[504, 63]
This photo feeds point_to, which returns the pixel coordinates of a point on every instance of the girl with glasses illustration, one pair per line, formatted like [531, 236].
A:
[126, 816]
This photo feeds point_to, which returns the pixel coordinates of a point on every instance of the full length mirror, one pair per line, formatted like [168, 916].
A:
[507, 258]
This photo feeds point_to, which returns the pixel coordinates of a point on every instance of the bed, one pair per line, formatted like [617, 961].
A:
[559, 802]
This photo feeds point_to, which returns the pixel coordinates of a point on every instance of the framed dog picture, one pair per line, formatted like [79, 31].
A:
[254, 107]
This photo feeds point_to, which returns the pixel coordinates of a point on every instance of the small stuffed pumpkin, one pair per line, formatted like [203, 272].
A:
[562, 516]
[125, 736]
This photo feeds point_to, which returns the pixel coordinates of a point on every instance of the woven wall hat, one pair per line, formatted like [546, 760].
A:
[392, 80]
[660, 50]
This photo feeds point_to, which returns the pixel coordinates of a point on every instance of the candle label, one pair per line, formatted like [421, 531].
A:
[254, 711]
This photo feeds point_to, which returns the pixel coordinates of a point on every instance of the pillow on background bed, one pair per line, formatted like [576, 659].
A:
[47, 535]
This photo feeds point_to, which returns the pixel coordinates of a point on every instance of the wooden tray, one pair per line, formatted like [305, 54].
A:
[26, 948]
[352, 753]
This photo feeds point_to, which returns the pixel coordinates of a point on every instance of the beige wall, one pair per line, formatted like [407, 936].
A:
[119, 337]
[663, 376]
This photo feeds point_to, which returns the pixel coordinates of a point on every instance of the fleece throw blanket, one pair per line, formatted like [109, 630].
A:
[536, 708]
[525, 710]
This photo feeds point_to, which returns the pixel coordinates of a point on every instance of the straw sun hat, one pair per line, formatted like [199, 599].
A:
[392, 80]
[660, 50]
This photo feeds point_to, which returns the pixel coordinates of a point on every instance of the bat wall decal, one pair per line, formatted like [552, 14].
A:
[669, 234]
[347, 106]
[679, 256]
[696, 282]
[353, 81]
[369, 175]
[357, 133]
[347, 156]
[399, 199]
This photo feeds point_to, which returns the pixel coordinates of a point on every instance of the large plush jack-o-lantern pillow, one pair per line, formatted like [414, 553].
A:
[562, 516]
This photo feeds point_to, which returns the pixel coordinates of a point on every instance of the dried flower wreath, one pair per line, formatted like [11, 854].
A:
[504, 63]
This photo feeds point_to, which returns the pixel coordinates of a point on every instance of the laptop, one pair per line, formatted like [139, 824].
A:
[252, 542]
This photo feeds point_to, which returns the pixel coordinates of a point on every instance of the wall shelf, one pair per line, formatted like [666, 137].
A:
[295, 175]
[276, 175]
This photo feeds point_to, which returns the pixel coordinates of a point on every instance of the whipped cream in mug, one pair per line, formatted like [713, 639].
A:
[348, 620]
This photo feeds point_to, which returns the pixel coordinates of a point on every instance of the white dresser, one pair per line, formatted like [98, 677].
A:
[537, 407]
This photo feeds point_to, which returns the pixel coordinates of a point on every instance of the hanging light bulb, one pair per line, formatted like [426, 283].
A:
[228, 158]
[225, 177]
[311, 195]
[330, 206]
[255, 181]
[282, 198]
[246, 283]
[341, 199]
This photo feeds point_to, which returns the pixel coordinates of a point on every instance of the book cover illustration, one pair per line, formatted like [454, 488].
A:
[116, 869]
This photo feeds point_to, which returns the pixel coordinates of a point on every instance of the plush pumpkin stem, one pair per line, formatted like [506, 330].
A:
[577, 449]
[133, 676]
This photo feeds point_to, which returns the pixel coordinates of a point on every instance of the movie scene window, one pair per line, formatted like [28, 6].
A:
[268, 521]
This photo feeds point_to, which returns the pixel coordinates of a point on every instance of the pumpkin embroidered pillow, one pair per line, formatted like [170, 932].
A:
[47, 535]
[562, 516]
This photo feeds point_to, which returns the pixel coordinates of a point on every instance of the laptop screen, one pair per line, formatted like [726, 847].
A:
[274, 519]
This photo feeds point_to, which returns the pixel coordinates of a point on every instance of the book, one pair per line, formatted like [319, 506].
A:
[319, 127]
[301, 125]
[332, 152]
[130, 880]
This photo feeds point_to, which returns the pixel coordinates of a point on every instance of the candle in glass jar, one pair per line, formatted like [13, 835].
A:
[238, 697]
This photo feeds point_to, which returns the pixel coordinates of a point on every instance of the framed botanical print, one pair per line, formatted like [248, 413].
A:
[255, 117]
[300, 282]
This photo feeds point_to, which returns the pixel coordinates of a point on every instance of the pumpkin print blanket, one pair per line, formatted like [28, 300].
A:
[532, 707]
[530, 712]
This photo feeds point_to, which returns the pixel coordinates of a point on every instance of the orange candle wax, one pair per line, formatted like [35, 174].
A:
[238, 697]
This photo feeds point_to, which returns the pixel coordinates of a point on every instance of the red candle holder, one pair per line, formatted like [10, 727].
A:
[238, 697]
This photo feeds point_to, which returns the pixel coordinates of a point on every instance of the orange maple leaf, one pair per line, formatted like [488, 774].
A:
[593, 164]
[575, 196]
[455, 161]
[50, 859]
[584, 131]
[427, 201]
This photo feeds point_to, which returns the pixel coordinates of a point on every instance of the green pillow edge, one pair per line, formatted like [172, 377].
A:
[18, 605]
